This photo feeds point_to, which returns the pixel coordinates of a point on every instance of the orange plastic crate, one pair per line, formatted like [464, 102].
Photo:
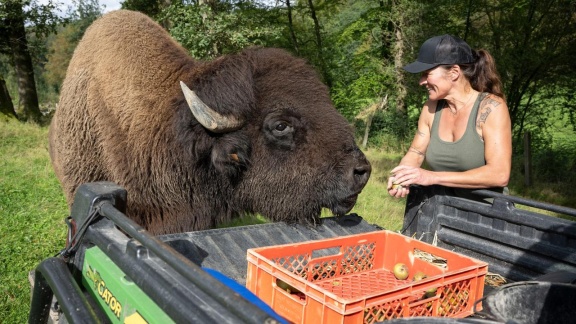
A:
[349, 279]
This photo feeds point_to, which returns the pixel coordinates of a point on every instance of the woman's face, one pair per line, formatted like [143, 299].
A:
[437, 81]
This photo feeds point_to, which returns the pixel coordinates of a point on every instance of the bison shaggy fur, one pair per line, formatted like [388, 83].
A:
[123, 117]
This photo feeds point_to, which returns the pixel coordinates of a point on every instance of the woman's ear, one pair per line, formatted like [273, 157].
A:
[455, 72]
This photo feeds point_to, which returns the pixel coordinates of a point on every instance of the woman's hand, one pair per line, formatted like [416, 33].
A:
[395, 189]
[403, 176]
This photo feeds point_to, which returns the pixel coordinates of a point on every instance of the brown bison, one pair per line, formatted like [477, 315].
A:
[256, 134]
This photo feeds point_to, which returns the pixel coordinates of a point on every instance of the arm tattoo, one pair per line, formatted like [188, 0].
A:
[411, 149]
[483, 116]
[420, 133]
[491, 102]
[484, 112]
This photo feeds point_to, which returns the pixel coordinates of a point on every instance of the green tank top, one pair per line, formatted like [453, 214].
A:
[464, 154]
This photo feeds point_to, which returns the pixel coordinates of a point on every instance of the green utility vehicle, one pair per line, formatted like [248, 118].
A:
[113, 271]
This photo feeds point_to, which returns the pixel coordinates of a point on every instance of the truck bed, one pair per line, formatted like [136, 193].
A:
[518, 244]
[225, 249]
[170, 269]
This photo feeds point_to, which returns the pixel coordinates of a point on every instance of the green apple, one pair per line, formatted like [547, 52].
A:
[419, 275]
[430, 292]
[400, 271]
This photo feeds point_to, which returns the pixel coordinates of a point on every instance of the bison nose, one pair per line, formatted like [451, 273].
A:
[362, 173]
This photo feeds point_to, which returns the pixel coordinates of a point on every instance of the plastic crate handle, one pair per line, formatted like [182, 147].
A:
[294, 294]
[326, 253]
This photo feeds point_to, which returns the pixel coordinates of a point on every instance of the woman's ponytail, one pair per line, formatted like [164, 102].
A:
[483, 75]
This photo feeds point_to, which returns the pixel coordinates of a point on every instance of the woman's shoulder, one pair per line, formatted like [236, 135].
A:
[430, 106]
[492, 105]
[492, 99]
[492, 102]
[428, 111]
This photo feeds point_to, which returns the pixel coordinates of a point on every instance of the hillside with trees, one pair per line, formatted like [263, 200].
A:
[357, 46]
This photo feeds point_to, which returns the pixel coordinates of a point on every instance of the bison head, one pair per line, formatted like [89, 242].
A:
[278, 142]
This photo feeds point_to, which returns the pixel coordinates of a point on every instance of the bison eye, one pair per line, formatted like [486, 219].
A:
[282, 128]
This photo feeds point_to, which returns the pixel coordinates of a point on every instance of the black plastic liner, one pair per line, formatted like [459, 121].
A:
[532, 302]
[439, 320]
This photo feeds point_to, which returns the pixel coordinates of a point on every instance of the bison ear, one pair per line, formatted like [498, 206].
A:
[230, 154]
[226, 86]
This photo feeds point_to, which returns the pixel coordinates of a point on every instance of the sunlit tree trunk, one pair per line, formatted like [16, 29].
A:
[166, 23]
[371, 111]
[398, 63]
[395, 52]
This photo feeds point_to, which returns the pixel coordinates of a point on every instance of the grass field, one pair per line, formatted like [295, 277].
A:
[32, 209]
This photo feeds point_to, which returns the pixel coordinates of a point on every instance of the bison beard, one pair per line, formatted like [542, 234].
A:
[256, 133]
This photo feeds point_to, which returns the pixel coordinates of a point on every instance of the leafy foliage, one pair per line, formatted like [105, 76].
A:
[151, 8]
[23, 25]
[359, 47]
[207, 33]
[41, 19]
[357, 66]
[534, 43]
[61, 46]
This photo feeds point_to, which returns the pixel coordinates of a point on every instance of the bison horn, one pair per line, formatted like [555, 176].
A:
[209, 118]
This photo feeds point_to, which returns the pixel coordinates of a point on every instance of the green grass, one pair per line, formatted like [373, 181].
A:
[374, 204]
[32, 208]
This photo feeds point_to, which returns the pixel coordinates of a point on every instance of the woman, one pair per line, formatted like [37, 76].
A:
[464, 129]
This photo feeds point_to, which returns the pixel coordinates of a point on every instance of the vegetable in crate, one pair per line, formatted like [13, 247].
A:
[400, 271]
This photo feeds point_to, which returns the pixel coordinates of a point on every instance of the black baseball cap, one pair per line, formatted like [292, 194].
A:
[440, 50]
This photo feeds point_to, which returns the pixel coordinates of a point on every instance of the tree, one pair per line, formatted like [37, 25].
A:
[14, 42]
[368, 40]
[6, 106]
[319, 46]
[62, 45]
[211, 29]
[534, 43]
[16, 39]
[355, 70]
[150, 8]
[291, 28]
